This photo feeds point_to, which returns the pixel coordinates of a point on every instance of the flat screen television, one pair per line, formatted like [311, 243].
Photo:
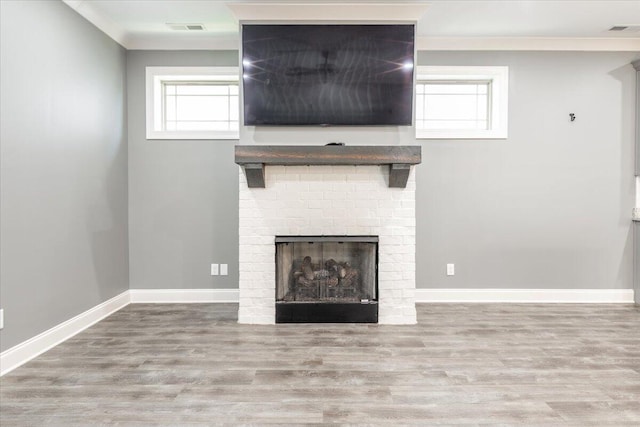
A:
[359, 75]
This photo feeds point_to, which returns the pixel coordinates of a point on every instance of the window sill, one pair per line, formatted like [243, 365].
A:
[462, 134]
[192, 135]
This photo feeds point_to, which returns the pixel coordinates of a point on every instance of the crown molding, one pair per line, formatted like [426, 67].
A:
[601, 44]
[87, 10]
[181, 42]
[168, 42]
[268, 11]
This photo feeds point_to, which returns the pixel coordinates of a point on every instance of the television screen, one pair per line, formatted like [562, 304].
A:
[328, 74]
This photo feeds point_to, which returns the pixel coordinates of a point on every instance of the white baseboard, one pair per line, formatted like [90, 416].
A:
[184, 295]
[27, 350]
[567, 296]
[33, 347]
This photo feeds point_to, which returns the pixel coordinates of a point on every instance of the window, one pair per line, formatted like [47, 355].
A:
[461, 102]
[192, 103]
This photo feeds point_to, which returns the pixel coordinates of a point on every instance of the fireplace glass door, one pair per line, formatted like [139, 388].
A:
[318, 278]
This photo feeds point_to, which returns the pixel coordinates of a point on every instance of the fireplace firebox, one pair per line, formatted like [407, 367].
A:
[326, 279]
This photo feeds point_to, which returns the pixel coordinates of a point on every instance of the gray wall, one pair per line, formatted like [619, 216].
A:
[547, 208]
[63, 193]
[550, 207]
[183, 195]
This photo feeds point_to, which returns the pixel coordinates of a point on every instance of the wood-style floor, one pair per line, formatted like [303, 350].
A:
[479, 364]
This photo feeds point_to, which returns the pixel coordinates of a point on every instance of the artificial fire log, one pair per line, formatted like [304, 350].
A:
[307, 269]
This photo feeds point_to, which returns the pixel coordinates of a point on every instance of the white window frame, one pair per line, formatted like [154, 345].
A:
[155, 76]
[499, 103]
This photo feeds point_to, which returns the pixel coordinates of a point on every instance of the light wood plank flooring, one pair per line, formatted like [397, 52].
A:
[474, 364]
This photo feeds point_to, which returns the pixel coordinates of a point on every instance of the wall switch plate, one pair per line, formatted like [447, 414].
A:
[451, 269]
[1, 318]
[214, 269]
[224, 269]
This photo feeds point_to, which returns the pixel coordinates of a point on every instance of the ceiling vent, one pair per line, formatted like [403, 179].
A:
[625, 28]
[186, 27]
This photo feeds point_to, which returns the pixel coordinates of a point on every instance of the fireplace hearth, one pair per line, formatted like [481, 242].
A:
[326, 279]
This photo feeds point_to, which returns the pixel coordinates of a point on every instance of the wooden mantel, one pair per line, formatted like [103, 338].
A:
[254, 158]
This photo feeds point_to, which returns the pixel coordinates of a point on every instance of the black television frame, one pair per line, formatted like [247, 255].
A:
[325, 23]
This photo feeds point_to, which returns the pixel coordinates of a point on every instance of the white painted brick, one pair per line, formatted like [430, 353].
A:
[349, 200]
[335, 195]
[294, 212]
[408, 204]
[386, 266]
[401, 231]
[265, 256]
[276, 169]
[409, 309]
[409, 293]
[362, 231]
[316, 204]
[315, 193]
[320, 170]
[266, 240]
[341, 186]
[393, 311]
[264, 195]
[297, 186]
[409, 266]
[391, 240]
[265, 293]
[390, 250]
[287, 177]
[363, 170]
[297, 170]
[245, 240]
[330, 212]
[342, 170]
[286, 195]
[249, 275]
[386, 203]
[331, 177]
[313, 178]
[358, 177]
[340, 204]
[395, 258]
[410, 222]
[246, 213]
[396, 294]
[385, 277]
[396, 222]
[404, 213]
[314, 213]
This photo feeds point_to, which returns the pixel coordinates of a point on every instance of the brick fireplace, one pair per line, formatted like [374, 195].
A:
[322, 201]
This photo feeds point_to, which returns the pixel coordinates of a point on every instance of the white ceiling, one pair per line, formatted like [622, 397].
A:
[442, 24]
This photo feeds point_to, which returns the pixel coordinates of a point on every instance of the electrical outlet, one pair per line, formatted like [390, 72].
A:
[215, 270]
[1, 318]
[224, 269]
[451, 269]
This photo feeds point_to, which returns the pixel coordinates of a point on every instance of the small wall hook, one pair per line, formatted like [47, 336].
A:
[572, 117]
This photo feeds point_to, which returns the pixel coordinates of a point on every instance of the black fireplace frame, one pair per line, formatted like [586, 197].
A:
[327, 312]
